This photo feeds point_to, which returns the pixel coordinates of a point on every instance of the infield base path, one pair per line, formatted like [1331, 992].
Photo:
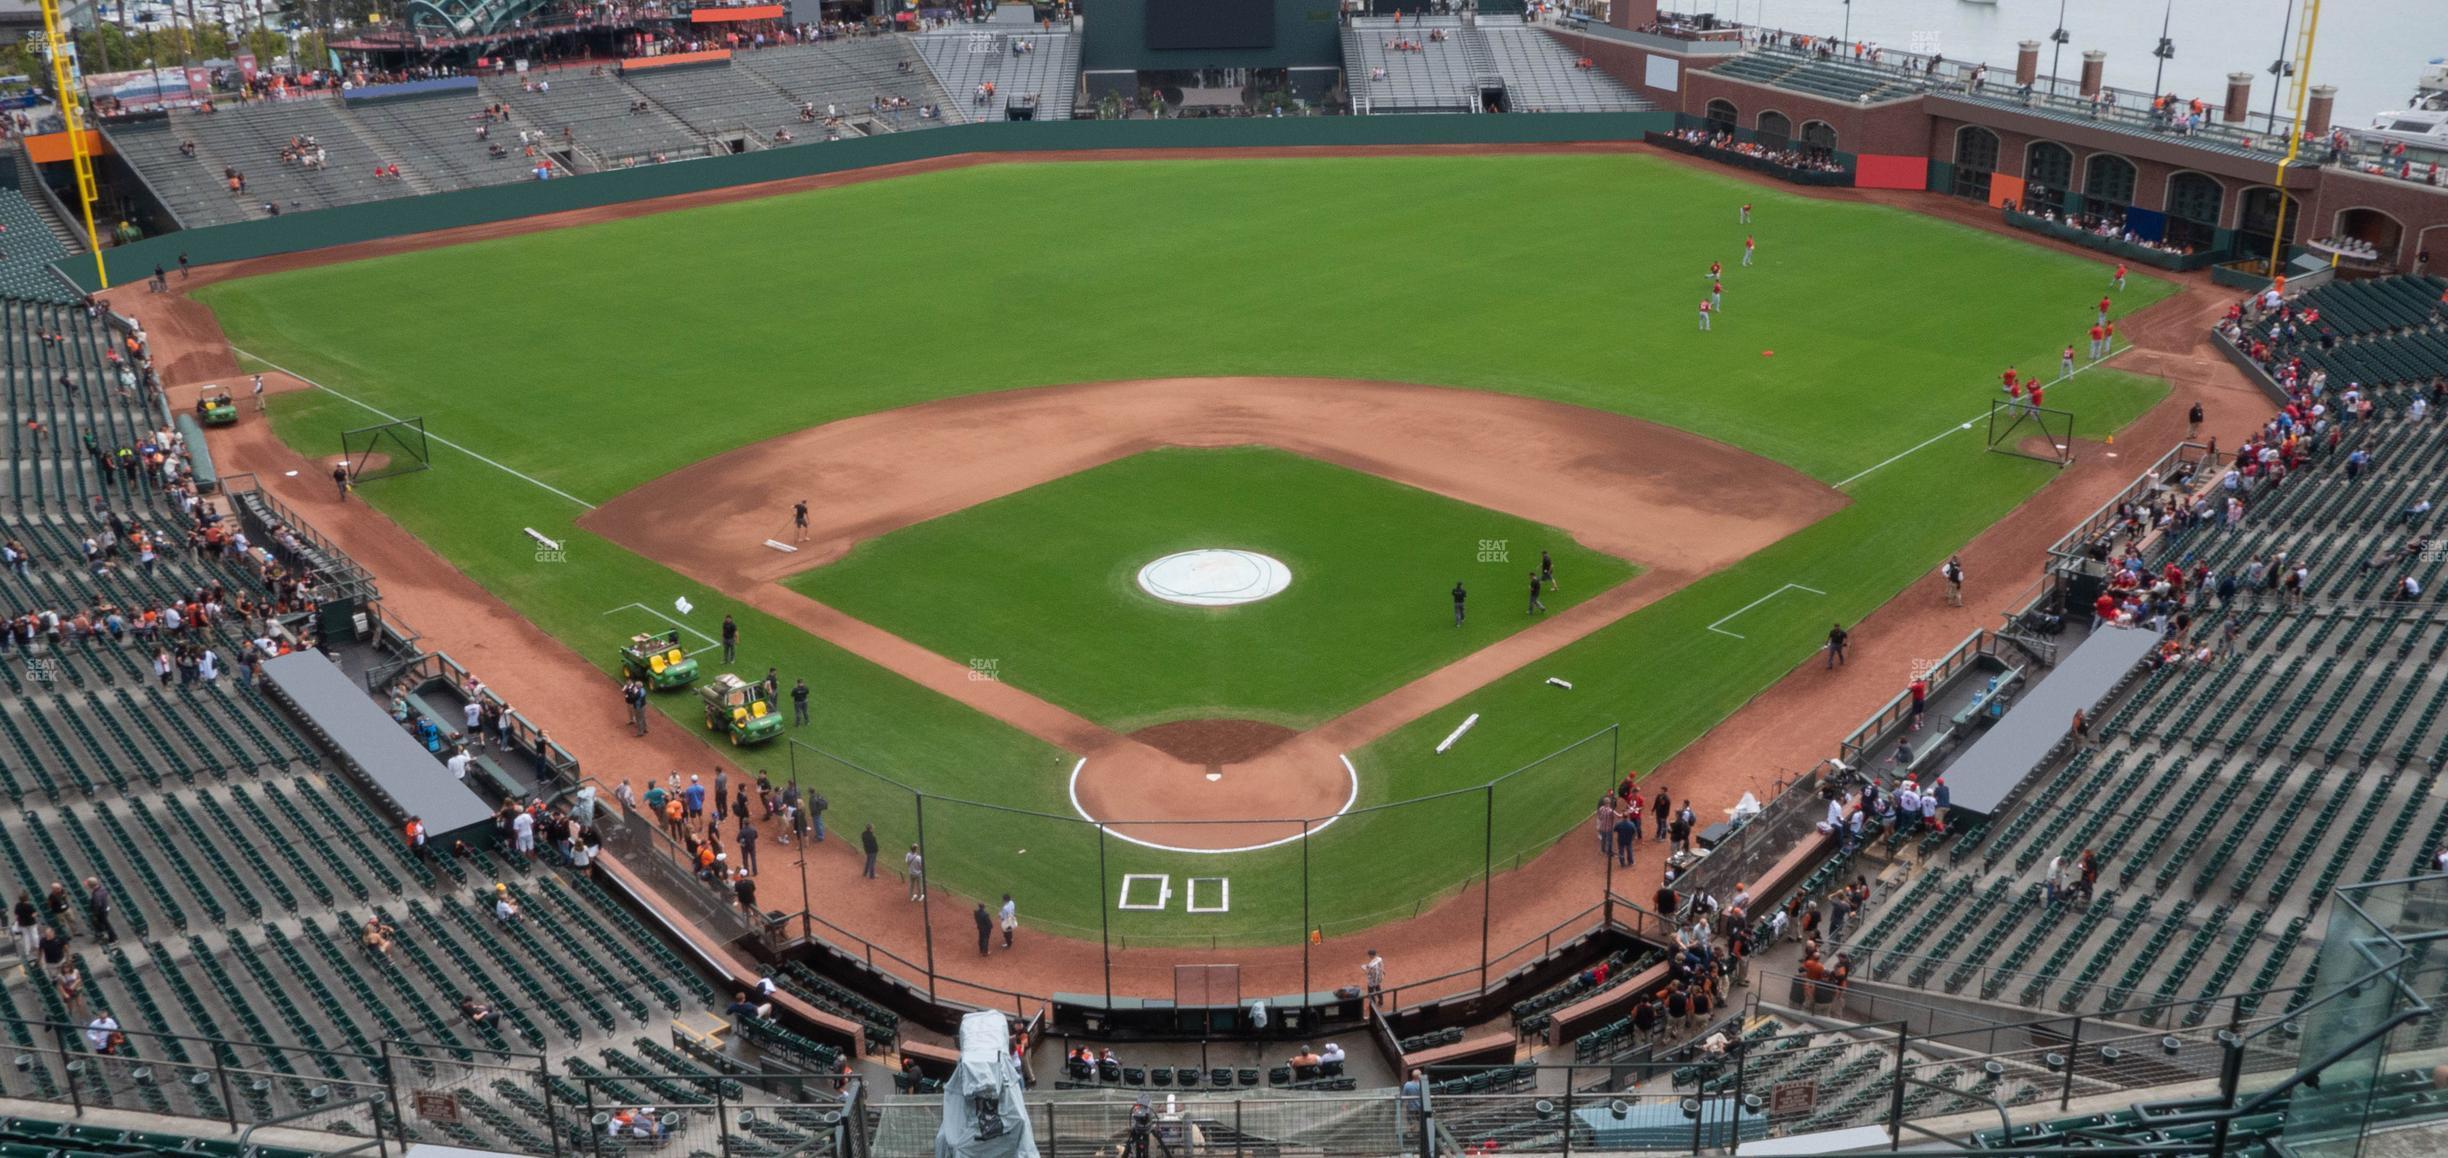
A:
[1680, 505]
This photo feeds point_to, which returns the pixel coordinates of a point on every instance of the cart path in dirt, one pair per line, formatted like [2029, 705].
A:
[1797, 721]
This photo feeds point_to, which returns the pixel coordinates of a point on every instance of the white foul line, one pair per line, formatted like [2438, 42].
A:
[429, 434]
[710, 640]
[1756, 602]
[1966, 425]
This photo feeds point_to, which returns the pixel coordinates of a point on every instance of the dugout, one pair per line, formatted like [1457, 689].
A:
[383, 760]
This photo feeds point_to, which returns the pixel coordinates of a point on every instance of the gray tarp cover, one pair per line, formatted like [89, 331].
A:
[982, 1114]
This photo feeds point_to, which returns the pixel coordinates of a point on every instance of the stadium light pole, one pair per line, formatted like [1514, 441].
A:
[2281, 68]
[2166, 50]
[1848, 28]
[2057, 54]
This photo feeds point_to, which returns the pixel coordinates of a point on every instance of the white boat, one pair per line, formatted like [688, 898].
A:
[2424, 121]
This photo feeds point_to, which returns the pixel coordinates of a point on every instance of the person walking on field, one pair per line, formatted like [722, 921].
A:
[915, 865]
[2193, 420]
[2119, 280]
[1746, 213]
[1838, 637]
[1954, 580]
[1547, 571]
[799, 520]
[867, 844]
[2065, 362]
[1535, 606]
[1660, 809]
[340, 479]
[1373, 971]
[730, 639]
[1008, 920]
[1704, 316]
[985, 928]
[1458, 595]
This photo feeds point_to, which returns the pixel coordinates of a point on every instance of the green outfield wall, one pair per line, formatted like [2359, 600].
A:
[399, 217]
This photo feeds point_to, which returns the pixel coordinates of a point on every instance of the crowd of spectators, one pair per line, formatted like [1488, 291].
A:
[1798, 158]
[2108, 223]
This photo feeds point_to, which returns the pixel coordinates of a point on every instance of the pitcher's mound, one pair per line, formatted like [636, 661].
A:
[1214, 741]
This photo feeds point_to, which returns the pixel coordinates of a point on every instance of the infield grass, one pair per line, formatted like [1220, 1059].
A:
[597, 358]
[1042, 586]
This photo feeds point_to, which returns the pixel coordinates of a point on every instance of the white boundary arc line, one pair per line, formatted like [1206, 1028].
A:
[1917, 447]
[1756, 602]
[369, 408]
[1322, 826]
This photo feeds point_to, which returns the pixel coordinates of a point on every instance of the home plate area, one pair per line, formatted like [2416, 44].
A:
[1153, 893]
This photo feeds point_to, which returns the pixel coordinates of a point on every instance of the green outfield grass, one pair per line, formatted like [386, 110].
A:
[1043, 585]
[595, 359]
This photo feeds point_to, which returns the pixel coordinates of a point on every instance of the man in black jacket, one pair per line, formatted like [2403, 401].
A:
[985, 927]
[867, 843]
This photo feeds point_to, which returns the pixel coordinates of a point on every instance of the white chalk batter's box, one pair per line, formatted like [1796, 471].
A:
[1153, 893]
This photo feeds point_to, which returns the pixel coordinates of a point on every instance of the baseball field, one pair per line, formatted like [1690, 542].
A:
[1005, 388]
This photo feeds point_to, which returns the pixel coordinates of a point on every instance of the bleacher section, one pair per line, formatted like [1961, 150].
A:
[2225, 800]
[28, 246]
[249, 138]
[594, 111]
[2340, 1105]
[241, 869]
[1439, 78]
[1834, 78]
[2388, 340]
[965, 58]
[720, 99]
[1541, 75]
[439, 134]
[856, 73]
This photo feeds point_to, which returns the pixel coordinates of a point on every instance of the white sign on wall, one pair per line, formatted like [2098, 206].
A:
[1663, 73]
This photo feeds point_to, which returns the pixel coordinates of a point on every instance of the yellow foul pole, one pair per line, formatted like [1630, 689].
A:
[2303, 92]
[61, 45]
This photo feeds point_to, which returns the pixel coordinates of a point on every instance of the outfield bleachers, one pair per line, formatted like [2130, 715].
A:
[964, 58]
[594, 113]
[1439, 78]
[439, 134]
[858, 74]
[719, 99]
[1541, 75]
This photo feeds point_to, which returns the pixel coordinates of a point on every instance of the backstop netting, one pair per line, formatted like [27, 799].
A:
[393, 448]
[2018, 427]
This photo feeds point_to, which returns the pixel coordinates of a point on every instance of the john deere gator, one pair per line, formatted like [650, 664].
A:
[214, 408]
[739, 707]
[658, 661]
